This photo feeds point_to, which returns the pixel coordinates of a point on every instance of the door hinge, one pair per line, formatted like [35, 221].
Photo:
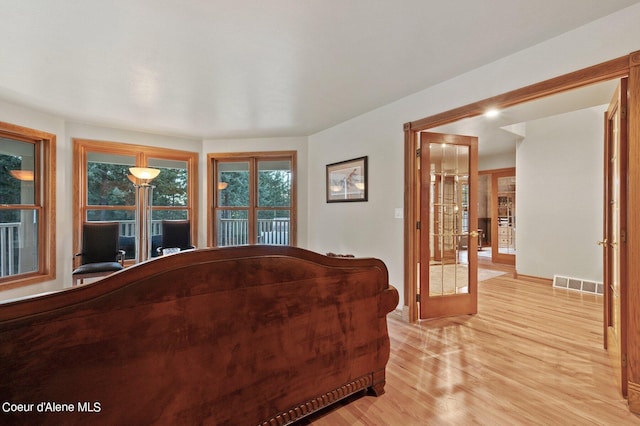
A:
[623, 112]
[623, 360]
[418, 152]
[418, 225]
[623, 235]
[418, 297]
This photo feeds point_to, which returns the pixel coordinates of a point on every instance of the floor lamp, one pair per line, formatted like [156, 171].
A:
[144, 206]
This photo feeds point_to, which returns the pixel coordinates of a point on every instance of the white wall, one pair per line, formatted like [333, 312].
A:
[364, 229]
[559, 187]
[370, 229]
[299, 144]
[497, 161]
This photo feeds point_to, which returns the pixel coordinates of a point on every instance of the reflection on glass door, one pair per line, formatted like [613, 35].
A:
[449, 243]
[449, 219]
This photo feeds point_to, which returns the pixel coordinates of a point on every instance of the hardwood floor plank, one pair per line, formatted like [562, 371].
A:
[533, 355]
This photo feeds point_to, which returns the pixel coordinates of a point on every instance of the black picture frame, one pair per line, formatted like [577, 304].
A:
[347, 181]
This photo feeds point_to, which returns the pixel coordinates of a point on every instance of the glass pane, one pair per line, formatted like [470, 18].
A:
[108, 181]
[273, 227]
[233, 184]
[17, 164]
[171, 184]
[126, 218]
[18, 242]
[484, 214]
[448, 227]
[232, 227]
[274, 183]
[507, 215]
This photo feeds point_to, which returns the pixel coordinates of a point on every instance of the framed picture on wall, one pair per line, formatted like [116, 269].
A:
[347, 181]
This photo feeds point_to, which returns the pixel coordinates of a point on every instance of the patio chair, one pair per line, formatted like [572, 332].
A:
[100, 255]
[176, 236]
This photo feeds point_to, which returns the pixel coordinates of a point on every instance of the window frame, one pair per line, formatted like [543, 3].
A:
[253, 158]
[44, 203]
[142, 155]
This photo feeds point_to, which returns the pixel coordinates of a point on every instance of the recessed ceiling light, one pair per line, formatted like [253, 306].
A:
[492, 113]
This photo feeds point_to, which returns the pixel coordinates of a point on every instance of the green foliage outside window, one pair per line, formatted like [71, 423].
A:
[170, 188]
[10, 187]
[109, 185]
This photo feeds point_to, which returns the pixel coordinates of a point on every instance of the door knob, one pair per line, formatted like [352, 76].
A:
[603, 243]
[474, 234]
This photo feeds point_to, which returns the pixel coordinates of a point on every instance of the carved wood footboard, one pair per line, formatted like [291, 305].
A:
[247, 335]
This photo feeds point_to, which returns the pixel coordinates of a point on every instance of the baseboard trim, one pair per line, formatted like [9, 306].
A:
[534, 279]
[404, 313]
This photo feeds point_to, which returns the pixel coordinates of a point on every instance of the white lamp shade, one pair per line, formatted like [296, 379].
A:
[144, 173]
[24, 175]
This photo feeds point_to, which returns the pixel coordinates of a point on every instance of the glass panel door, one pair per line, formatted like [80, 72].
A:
[232, 215]
[449, 241]
[503, 246]
[274, 202]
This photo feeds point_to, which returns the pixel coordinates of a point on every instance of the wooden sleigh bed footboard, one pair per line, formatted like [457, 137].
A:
[258, 335]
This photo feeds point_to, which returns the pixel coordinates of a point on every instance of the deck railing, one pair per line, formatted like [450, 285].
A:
[9, 255]
[231, 232]
[235, 232]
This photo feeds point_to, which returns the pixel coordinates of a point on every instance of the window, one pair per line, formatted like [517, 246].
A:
[108, 192]
[27, 213]
[253, 198]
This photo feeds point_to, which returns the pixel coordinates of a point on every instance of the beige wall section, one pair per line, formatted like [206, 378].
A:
[559, 186]
[499, 161]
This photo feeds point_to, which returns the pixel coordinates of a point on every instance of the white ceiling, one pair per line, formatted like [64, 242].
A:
[499, 135]
[242, 68]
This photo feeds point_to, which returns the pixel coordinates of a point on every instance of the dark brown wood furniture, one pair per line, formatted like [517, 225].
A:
[245, 335]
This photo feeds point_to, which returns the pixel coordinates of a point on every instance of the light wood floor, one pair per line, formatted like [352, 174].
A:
[531, 356]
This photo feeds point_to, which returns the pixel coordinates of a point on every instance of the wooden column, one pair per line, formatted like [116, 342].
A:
[633, 215]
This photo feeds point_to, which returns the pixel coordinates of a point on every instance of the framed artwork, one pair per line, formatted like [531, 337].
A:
[347, 181]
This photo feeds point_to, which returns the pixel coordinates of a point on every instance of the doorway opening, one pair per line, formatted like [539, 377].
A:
[610, 71]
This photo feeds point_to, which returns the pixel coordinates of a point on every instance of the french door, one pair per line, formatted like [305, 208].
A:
[614, 242]
[448, 176]
[253, 198]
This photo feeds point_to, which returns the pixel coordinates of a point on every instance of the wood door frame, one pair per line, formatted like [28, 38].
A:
[624, 66]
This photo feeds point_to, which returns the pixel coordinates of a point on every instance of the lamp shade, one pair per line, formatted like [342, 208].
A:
[144, 173]
[24, 175]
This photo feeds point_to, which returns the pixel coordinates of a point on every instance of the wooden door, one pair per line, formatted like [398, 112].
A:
[503, 212]
[448, 167]
[615, 240]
